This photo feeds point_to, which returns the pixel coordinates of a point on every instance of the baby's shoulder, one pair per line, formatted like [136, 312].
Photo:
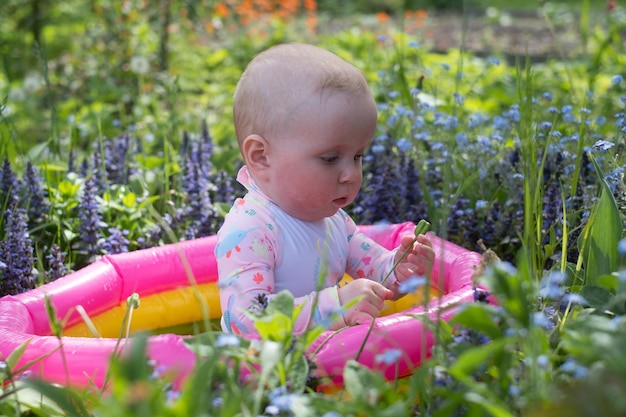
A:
[249, 214]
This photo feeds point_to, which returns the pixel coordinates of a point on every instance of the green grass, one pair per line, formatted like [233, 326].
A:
[534, 4]
[399, 6]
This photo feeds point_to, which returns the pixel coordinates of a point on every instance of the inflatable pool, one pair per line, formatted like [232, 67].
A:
[177, 285]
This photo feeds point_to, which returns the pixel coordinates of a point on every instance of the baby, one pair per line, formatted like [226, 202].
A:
[304, 118]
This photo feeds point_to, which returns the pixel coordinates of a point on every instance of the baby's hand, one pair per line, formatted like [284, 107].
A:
[419, 259]
[370, 296]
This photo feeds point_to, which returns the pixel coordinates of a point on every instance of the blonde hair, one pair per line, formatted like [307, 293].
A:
[277, 80]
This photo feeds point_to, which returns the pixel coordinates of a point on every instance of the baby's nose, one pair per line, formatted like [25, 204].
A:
[350, 174]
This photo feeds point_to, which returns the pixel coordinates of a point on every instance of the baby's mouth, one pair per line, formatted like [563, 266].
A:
[341, 201]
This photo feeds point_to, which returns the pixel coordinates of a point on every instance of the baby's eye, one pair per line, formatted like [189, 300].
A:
[329, 159]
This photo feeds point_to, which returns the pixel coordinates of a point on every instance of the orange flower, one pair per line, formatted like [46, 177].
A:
[310, 5]
[382, 17]
[221, 10]
[311, 23]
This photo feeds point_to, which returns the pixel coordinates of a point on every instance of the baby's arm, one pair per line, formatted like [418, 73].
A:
[246, 261]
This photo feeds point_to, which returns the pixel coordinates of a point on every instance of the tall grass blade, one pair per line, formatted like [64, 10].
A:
[602, 233]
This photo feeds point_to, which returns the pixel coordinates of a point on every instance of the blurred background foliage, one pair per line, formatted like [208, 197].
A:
[138, 94]
[75, 68]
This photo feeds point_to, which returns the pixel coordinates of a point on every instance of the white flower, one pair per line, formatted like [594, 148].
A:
[139, 65]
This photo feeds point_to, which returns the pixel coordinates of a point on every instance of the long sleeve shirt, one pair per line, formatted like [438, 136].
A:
[261, 250]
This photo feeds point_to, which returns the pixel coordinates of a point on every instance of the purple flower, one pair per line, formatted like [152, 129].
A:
[35, 196]
[9, 186]
[90, 217]
[56, 265]
[116, 242]
[16, 253]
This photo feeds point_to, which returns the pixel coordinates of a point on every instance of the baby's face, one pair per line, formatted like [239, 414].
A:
[316, 164]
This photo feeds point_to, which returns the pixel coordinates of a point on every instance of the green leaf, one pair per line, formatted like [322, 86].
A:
[66, 398]
[478, 317]
[275, 327]
[496, 409]
[36, 151]
[360, 381]
[17, 353]
[472, 358]
[597, 297]
[130, 200]
[68, 189]
[282, 303]
[298, 374]
[603, 233]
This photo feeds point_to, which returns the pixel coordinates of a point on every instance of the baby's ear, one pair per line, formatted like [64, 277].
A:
[254, 150]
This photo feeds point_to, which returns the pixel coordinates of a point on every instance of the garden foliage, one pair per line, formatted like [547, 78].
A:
[122, 140]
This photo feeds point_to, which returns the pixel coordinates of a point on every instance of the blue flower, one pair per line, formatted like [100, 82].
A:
[404, 145]
[617, 79]
[554, 278]
[461, 140]
[551, 292]
[543, 361]
[272, 410]
[575, 369]
[603, 145]
[621, 247]
[227, 340]
[493, 60]
[459, 99]
[481, 204]
[411, 284]
[514, 391]
[574, 299]
[171, 396]
[378, 148]
[539, 319]
[389, 357]
[545, 125]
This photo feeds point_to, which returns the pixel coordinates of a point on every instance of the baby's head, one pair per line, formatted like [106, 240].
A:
[277, 82]
[304, 118]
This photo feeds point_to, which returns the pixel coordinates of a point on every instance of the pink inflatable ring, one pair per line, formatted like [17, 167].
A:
[172, 281]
